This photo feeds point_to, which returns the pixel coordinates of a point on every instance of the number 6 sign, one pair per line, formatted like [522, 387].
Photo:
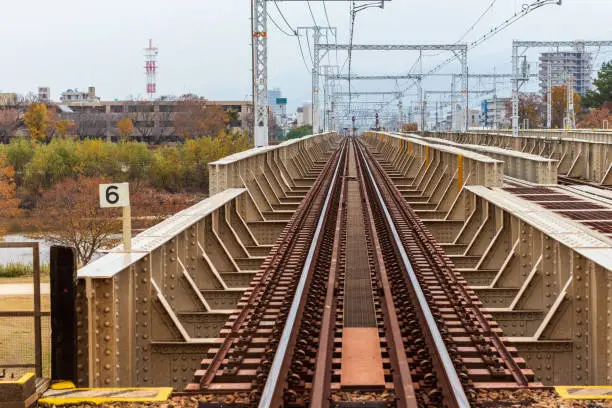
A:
[114, 195]
[118, 195]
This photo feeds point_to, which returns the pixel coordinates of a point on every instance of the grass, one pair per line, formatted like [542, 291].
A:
[19, 270]
[17, 334]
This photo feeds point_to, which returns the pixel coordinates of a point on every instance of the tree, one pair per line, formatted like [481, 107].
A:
[595, 119]
[9, 203]
[90, 124]
[531, 108]
[65, 128]
[37, 121]
[144, 117]
[69, 214]
[9, 121]
[125, 127]
[603, 88]
[196, 117]
[559, 105]
[299, 132]
[410, 127]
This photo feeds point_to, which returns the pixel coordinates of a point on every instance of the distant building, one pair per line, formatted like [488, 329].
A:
[458, 118]
[273, 95]
[493, 112]
[578, 62]
[304, 115]
[8, 99]
[74, 95]
[153, 120]
[44, 94]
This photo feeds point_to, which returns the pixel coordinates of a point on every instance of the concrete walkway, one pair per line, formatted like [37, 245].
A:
[22, 289]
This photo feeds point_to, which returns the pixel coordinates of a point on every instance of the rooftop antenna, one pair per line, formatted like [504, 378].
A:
[151, 69]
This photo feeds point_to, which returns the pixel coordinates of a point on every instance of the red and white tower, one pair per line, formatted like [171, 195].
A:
[151, 69]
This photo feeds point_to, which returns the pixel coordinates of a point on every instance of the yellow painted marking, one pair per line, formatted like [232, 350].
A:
[63, 385]
[585, 392]
[459, 172]
[96, 396]
[427, 156]
[409, 148]
[21, 380]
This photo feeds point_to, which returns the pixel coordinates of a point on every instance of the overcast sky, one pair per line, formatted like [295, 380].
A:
[204, 44]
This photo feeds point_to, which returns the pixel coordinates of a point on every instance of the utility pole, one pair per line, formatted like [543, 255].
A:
[420, 90]
[317, 33]
[495, 100]
[571, 118]
[549, 97]
[437, 123]
[453, 102]
[259, 28]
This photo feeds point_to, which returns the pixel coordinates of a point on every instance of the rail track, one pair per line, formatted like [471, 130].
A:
[357, 305]
[572, 181]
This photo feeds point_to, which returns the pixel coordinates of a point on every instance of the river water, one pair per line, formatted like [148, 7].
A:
[23, 255]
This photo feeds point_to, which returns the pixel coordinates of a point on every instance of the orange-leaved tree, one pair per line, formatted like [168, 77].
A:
[596, 119]
[9, 203]
[69, 214]
[559, 105]
[125, 128]
[196, 117]
[36, 120]
[66, 128]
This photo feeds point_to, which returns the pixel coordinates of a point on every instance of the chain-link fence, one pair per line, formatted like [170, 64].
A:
[25, 320]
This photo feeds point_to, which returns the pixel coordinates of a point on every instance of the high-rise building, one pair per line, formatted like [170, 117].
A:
[577, 62]
[273, 95]
[44, 94]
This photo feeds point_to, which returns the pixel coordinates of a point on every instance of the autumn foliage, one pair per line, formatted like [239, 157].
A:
[125, 128]
[197, 117]
[70, 214]
[596, 119]
[37, 121]
[9, 203]
[559, 105]
[66, 128]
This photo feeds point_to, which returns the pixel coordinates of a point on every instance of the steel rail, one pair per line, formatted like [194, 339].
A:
[401, 369]
[211, 371]
[273, 381]
[322, 373]
[502, 350]
[458, 395]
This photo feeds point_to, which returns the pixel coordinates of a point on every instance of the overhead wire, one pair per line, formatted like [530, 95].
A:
[314, 20]
[302, 52]
[279, 27]
[284, 19]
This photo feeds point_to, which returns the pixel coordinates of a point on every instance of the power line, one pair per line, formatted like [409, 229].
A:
[279, 28]
[309, 49]
[302, 52]
[314, 20]
[283, 17]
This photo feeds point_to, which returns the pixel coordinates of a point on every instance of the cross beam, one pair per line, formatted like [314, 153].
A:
[459, 49]
[395, 47]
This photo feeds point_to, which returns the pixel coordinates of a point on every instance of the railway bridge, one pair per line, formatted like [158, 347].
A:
[416, 269]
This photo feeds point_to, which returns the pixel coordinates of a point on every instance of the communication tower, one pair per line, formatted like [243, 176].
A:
[151, 69]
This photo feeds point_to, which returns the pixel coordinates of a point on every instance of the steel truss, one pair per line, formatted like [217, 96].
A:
[259, 47]
[460, 51]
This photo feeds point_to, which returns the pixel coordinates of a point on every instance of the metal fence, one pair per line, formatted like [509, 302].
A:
[25, 322]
